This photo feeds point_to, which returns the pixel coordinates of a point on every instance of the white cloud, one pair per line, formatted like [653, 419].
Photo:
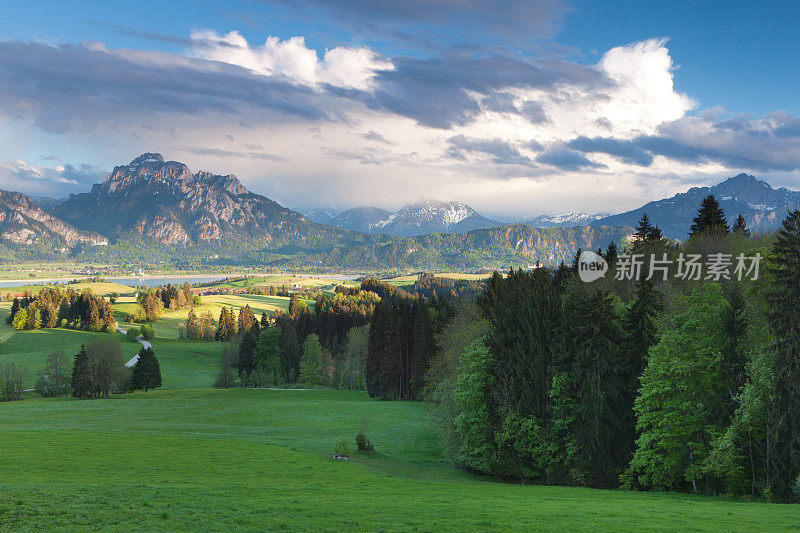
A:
[352, 68]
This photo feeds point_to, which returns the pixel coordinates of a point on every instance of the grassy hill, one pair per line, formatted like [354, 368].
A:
[259, 459]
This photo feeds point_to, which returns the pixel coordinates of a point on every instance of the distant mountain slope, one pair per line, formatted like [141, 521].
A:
[517, 245]
[164, 202]
[45, 202]
[364, 218]
[763, 207]
[318, 215]
[429, 216]
[22, 221]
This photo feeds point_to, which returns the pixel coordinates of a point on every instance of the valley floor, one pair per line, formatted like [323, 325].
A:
[260, 459]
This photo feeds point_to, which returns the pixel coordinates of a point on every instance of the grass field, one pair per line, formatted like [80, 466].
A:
[283, 280]
[167, 327]
[259, 459]
[184, 364]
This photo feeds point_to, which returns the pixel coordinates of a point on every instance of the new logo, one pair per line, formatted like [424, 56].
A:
[591, 266]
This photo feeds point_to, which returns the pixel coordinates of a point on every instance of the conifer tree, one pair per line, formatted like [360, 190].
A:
[247, 319]
[710, 218]
[194, 330]
[146, 372]
[740, 226]
[311, 365]
[783, 298]
[81, 375]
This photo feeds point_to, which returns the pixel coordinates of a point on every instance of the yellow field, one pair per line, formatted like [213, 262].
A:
[103, 288]
[451, 275]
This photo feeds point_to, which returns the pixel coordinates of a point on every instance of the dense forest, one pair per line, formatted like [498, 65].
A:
[649, 378]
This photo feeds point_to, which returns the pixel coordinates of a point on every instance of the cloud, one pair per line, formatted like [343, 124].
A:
[497, 150]
[56, 182]
[512, 132]
[561, 157]
[739, 143]
[352, 68]
[72, 87]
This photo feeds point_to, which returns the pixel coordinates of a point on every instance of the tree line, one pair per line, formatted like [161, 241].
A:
[52, 307]
[648, 384]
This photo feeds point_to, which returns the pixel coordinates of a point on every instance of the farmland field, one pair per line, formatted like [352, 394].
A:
[260, 459]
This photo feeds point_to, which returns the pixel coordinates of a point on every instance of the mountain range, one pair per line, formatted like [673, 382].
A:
[152, 211]
[763, 207]
[421, 218]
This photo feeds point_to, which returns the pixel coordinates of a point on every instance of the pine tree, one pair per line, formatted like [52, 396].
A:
[710, 218]
[740, 226]
[194, 330]
[783, 297]
[81, 376]
[595, 375]
[311, 364]
[247, 319]
[644, 229]
[146, 372]
[639, 335]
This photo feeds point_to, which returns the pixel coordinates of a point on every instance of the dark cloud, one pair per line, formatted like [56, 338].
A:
[436, 20]
[436, 92]
[499, 151]
[561, 157]
[76, 87]
[624, 150]
[770, 144]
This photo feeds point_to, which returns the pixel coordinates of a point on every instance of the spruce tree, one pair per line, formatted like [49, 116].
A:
[247, 319]
[81, 375]
[194, 331]
[740, 226]
[783, 298]
[146, 372]
[710, 218]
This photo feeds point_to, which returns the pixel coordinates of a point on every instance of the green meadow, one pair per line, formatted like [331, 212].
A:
[260, 459]
[190, 457]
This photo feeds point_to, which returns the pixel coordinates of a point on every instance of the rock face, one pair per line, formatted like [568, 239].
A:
[763, 207]
[430, 216]
[22, 221]
[164, 202]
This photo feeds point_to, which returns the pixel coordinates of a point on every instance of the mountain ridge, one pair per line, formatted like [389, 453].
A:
[762, 206]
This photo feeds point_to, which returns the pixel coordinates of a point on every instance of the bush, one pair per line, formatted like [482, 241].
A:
[182, 332]
[342, 447]
[362, 442]
[45, 387]
[133, 334]
[148, 333]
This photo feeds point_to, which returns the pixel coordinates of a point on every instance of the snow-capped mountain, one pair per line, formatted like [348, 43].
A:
[429, 216]
[565, 220]
[763, 207]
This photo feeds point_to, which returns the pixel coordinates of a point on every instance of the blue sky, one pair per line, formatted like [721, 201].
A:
[517, 108]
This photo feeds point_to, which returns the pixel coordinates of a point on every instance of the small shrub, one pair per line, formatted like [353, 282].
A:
[362, 442]
[148, 333]
[182, 332]
[342, 447]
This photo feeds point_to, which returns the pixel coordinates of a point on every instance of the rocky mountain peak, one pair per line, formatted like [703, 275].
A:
[148, 157]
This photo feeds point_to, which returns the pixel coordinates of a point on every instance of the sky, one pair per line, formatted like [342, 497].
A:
[515, 107]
